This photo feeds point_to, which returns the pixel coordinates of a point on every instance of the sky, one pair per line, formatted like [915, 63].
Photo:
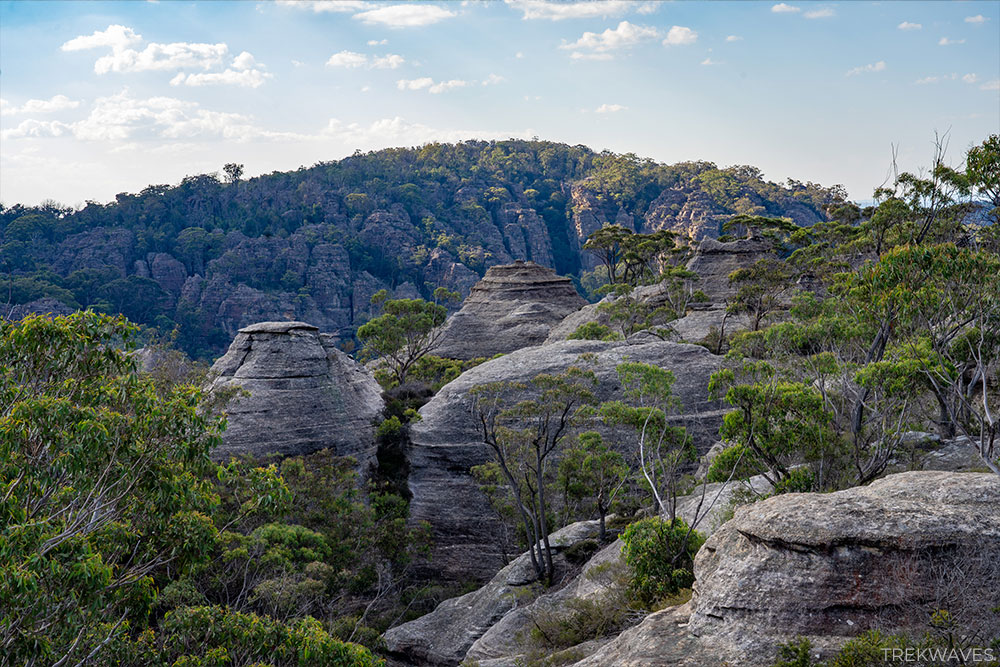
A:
[98, 98]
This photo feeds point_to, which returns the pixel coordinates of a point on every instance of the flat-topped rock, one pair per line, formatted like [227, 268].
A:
[304, 394]
[714, 260]
[513, 306]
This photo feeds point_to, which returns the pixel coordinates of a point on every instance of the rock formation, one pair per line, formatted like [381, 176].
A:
[829, 566]
[304, 394]
[445, 444]
[444, 636]
[714, 260]
[513, 306]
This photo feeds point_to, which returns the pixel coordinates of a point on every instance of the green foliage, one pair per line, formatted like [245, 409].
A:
[594, 331]
[660, 554]
[736, 462]
[590, 470]
[406, 331]
[103, 494]
[758, 289]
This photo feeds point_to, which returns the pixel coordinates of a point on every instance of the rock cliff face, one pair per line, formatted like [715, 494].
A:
[714, 260]
[829, 566]
[513, 306]
[304, 394]
[446, 443]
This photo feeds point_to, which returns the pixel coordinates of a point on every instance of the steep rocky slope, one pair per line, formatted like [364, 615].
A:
[445, 444]
[513, 306]
[297, 393]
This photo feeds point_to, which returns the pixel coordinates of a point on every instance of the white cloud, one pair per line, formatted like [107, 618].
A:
[932, 79]
[991, 85]
[55, 103]
[824, 13]
[244, 61]
[246, 78]
[906, 25]
[709, 61]
[559, 11]
[970, 78]
[36, 128]
[297, 63]
[733, 38]
[678, 35]
[318, 6]
[576, 55]
[116, 36]
[610, 108]
[625, 35]
[782, 8]
[405, 16]
[377, 42]
[389, 61]
[519, 55]
[429, 84]
[349, 59]
[871, 67]
[978, 18]
[493, 79]
[398, 132]
[944, 41]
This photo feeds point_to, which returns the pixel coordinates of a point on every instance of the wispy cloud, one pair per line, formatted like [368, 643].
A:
[978, 18]
[377, 42]
[709, 61]
[405, 16]
[871, 67]
[610, 108]
[733, 38]
[823, 13]
[398, 131]
[782, 8]
[970, 78]
[353, 60]
[944, 41]
[678, 35]
[560, 11]
[427, 83]
[991, 85]
[51, 105]
[493, 79]
[319, 6]
[907, 25]
[624, 36]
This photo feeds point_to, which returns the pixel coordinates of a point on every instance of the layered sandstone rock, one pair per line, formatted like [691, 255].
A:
[513, 306]
[303, 394]
[446, 443]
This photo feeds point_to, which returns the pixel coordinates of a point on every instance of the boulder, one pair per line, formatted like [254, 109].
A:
[830, 566]
[444, 636]
[446, 443]
[513, 306]
[304, 394]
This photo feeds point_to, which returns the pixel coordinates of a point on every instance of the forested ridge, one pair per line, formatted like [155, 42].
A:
[213, 254]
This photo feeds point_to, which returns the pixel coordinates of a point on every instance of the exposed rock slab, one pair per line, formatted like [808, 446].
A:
[829, 566]
[513, 306]
[714, 260]
[445, 444]
[304, 394]
[444, 636]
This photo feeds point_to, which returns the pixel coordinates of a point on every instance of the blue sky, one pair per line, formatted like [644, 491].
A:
[108, 97]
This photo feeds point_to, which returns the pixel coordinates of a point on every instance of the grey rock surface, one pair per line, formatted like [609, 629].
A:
[445, 444]
[513, 306]
[714, 260]
[830, 566]
[304, 394]
[444, 636]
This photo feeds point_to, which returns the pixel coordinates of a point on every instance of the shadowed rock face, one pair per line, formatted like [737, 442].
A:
[304, 394]
[513, 306]
[446, 443]
[714, 260]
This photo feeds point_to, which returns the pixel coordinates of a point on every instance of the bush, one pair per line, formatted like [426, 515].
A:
[594, 331]
[737, 462]
[580, 553]
[661, 556]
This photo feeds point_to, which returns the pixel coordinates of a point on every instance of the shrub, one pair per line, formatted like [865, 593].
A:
[580, 553]
[736, 462]
[594, 331]
[661, 556]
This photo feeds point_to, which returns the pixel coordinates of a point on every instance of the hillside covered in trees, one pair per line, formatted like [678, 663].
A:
[212, 254]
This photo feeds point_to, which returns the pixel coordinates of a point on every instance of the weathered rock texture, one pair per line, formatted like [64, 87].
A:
[513, 306]
[829, 566]
[444, 636]
[445, 444]
[304, 394]
[714, 260]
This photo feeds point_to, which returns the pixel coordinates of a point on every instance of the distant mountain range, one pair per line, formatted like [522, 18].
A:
[209, 256]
